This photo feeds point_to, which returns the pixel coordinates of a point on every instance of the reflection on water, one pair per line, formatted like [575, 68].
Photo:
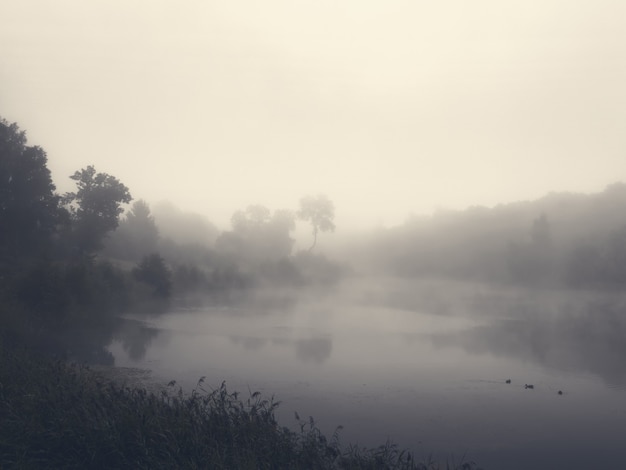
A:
[135, 337]
[307, 349]
[423, 364]
[314, 349]
[584, 336]
[570, 344]
[249, 342]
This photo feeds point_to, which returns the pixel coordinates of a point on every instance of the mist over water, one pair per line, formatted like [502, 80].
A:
[405, 218]
[496, 334]
[424, 363]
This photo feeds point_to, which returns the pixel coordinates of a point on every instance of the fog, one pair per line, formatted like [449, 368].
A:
[389, 109]
[518, 306]
[405, 218]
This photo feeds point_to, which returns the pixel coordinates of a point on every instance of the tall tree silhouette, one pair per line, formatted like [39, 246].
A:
[320, 212]
[30, 211]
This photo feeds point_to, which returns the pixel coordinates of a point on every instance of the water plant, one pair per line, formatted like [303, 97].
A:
[56, 415]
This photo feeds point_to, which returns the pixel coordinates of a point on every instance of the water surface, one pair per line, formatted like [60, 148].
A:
[423, 364]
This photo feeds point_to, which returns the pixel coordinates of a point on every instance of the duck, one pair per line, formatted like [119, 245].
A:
[529, 386]
[560, 392]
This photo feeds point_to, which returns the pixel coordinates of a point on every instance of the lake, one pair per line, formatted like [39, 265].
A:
[424, 364]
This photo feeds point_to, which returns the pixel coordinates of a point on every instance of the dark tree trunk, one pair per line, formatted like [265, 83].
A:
[314, 238]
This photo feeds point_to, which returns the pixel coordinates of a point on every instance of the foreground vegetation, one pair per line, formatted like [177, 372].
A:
[56, 415]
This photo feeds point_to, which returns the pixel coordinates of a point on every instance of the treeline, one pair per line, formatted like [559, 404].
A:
[79, 258]
[52, 281]
[48, 241]
[257, 251]
[562, 239]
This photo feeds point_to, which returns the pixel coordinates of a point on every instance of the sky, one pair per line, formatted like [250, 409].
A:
[390, 108]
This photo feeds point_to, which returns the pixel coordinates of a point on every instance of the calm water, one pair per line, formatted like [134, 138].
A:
[423, 364]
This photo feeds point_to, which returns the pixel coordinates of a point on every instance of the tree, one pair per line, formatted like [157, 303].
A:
[253, 218]
[258, 234]
[153, 271]
[136, 236]
[140, 224]
[95, 207]
[30, 211]
[183, 227]
[320, 212]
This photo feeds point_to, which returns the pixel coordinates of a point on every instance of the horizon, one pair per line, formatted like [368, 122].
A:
[351, 230]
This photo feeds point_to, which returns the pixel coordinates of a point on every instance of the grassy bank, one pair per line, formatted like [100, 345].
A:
[56, 415]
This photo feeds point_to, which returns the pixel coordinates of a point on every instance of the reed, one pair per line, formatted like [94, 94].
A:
[56, 415]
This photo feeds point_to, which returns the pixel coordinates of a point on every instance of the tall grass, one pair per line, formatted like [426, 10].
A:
[55, 415]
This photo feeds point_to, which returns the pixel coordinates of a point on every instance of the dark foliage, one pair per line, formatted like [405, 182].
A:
[59, 416]
[30, 212]
[153, 271]
[188, 278]
[136, 236]
[95, 207]
[57, 292]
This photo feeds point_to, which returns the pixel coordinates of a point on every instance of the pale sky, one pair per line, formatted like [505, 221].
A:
[388, 107]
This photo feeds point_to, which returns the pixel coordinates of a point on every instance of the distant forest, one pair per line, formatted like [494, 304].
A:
[563, 239]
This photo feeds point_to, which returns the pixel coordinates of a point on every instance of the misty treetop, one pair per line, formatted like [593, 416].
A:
[136, 236]
[258, 234]
[257, 216]
[95, 207]
[141, 221]
[320, 212]
[183, 226]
